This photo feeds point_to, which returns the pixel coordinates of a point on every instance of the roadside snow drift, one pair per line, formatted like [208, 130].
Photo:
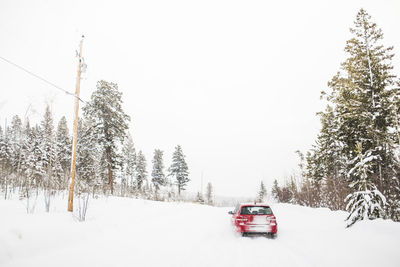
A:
[129, 232]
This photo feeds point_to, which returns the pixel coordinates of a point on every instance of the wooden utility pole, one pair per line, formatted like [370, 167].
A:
[75, 141]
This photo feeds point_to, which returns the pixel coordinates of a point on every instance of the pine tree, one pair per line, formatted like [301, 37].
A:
[325, 165]
[48, 156]
[47, 144]
[129, 164]
[90, 167]
[15, 137]
[327, 161]
[158, 176]
[1, 139]
[141, 172]
[276, 191]
[179, 169]
[363, 108]
[5, 161]
[366, 202]
[262, 193]
[25, 168]
[364, 100]
[199, 198]
[63, 151]
[209, 194]
[36, 163]
[110, 123]
[292, 187]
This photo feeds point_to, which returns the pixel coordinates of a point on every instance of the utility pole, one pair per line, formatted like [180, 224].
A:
[75, 141]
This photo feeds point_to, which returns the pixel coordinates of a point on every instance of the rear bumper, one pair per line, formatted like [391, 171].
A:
[257, 229]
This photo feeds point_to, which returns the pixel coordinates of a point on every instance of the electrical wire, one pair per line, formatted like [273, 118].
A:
[40, 78]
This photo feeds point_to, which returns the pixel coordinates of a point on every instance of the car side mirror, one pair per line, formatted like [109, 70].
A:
[230, 212]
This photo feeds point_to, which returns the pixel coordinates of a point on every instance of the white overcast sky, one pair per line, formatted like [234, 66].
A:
[236, 83]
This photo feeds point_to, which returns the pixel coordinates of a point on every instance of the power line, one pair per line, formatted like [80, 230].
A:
[40, 78]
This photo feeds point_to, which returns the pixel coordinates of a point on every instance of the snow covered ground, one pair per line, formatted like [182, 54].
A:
[129, 232]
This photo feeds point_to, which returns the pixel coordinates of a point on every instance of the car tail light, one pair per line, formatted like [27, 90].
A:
[241, 219]
[272, 220]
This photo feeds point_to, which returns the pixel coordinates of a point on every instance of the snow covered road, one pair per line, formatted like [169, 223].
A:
[127, 232]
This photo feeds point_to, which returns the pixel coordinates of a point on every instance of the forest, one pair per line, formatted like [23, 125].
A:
[36, 159]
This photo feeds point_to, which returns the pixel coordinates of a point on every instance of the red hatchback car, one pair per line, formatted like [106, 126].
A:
[254, 219]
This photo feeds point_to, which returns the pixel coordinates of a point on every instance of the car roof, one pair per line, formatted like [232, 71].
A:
[254, 204]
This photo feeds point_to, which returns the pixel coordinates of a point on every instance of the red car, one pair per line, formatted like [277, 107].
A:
[254, 219]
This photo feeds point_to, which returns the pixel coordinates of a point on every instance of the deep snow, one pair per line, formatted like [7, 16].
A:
[129, 232]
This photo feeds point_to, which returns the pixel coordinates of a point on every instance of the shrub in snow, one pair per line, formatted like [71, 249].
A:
[366, 202]
[83, 201]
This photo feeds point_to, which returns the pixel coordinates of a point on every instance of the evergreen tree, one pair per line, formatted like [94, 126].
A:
[48, 156]
[364, 97]
[1, 140]
[363, 108]
[47, 145]
[5, 161]
[276, 191]
[325, 163]
[129, 164]
[63, 148]
[15, 137]
[363, 93]
[199, 198]
[262, 193]
[110, 123]
[292, 187]
[179, 169]
[36, 163]
[209, 194]
[158, 176]
[366, 202]
[26, 170]
[90, 167]
[141, 172]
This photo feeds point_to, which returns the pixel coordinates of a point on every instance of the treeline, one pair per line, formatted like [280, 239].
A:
[354, 164]
[37, 158]
[330, 194]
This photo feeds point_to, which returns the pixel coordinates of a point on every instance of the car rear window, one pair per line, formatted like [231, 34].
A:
[255, 210]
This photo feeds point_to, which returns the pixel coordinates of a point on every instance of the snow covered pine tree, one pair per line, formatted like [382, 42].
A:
[128, 166]
[262, 193]
[209, 194]
[179, 169]
[366, 202]
[110, 123]
[141, 172]
[363, 108]
[158, 176]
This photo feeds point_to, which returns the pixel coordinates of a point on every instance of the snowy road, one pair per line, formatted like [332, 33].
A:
[126, 232]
